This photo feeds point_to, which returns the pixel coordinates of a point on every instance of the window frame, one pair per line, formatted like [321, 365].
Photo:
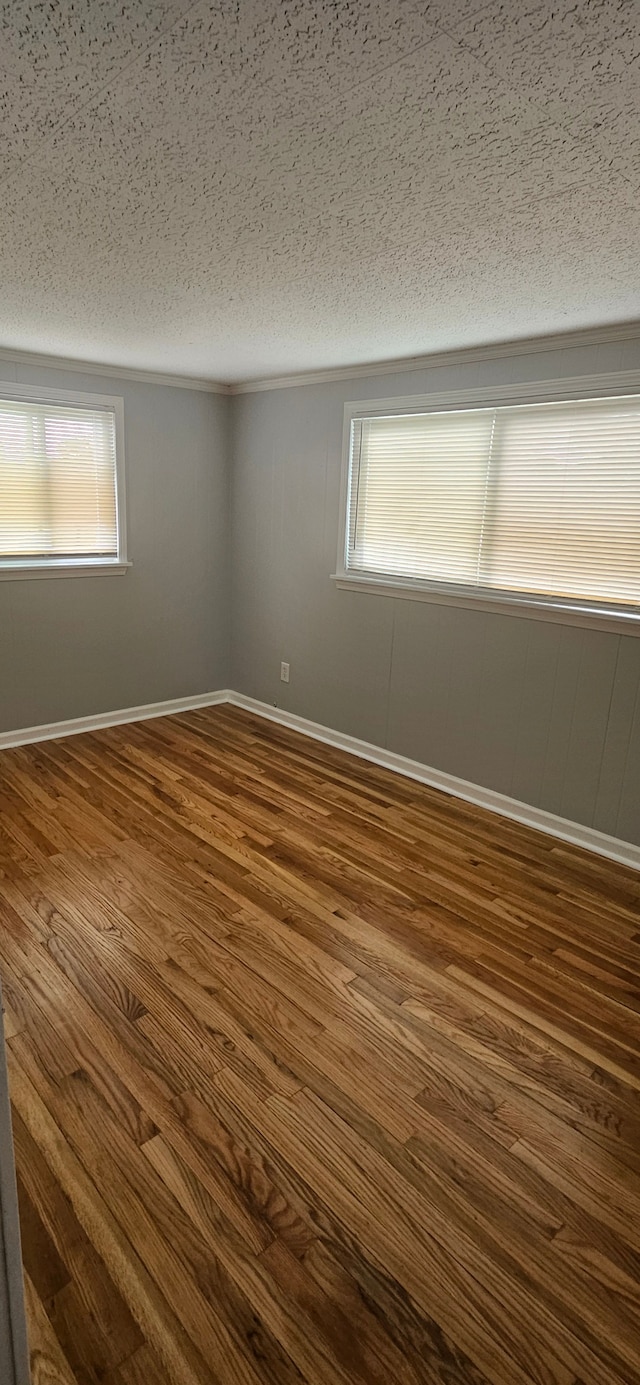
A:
[12, 569]
[566, 611]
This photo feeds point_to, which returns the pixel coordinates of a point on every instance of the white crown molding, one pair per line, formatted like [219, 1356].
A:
[522, 346]
[51, 731]
[112, 372]
[626, 853]
[466, 355]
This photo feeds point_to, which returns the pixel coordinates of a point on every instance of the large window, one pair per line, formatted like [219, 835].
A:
[529, 502]
[61, 485]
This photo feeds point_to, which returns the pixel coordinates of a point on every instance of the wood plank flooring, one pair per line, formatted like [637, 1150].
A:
[317, 1074]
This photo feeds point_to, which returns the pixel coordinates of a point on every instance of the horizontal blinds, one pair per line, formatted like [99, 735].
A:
[542, 498]
[57, 482]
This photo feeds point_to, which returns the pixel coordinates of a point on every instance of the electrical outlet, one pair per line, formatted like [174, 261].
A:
[284, 673]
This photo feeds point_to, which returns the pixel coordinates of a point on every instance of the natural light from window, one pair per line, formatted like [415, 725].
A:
[536, 499]
[58, 493]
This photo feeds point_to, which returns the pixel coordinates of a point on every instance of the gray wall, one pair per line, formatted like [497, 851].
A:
[75, 646]
[547, 713]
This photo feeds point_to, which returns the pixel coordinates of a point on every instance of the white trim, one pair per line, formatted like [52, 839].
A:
[121, 483]
[606, 384]
[20, 572]
[575, 833]
[618, 623]
[74, 727]
[117, 372]
[561, 611]
[16, 392]
[626, 853]
[465, 355]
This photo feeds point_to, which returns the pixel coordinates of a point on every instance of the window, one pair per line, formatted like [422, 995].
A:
[530, 503]
[61, 483]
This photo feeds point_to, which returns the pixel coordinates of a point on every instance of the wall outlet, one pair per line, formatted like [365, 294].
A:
[284, 673]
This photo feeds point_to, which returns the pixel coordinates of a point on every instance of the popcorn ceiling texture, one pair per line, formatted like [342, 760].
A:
[261, 187]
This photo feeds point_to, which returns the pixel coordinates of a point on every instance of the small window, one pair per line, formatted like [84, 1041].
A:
[531, 502]
[61, 483]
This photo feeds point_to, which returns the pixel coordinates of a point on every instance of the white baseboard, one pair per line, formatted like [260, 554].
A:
[573, 832]
[53, 730]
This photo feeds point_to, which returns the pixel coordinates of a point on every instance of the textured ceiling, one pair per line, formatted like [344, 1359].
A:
[266, 186]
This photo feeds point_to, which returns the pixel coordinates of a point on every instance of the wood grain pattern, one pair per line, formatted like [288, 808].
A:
[318, 1075]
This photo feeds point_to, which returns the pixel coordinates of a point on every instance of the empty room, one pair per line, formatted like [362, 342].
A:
[320, 692]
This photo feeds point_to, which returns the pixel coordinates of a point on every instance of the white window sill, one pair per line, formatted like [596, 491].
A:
[562, 613]
[15, 572]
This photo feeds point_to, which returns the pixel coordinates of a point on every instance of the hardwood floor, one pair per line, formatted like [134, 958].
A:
[317, 1074]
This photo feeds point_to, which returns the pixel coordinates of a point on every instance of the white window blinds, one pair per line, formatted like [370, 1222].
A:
[541, 499]
[57, 482]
